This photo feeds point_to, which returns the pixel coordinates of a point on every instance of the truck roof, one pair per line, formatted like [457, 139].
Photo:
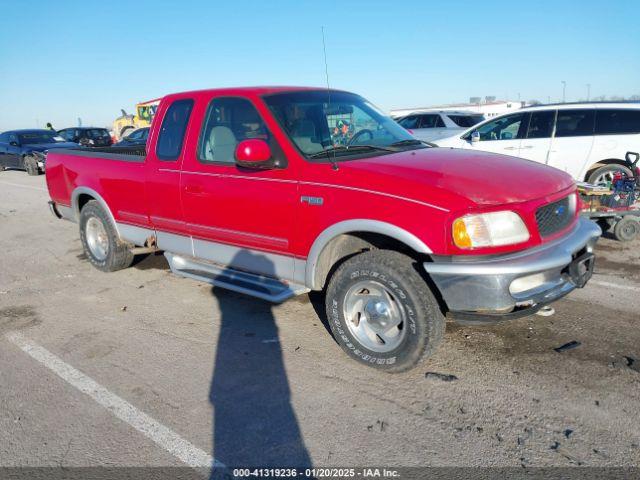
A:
[257, 90]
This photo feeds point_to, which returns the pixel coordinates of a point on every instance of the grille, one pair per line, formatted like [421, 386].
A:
[554, 217]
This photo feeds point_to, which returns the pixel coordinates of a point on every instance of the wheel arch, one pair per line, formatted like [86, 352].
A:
[601, 163]
[82, 195]
[344, 239]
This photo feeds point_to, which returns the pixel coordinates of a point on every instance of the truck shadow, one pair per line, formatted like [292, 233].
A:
[254, 422]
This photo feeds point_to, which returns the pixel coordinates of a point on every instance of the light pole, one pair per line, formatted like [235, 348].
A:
[588, 91]
[564, 90]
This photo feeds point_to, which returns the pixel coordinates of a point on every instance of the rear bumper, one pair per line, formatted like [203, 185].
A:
[515, 285]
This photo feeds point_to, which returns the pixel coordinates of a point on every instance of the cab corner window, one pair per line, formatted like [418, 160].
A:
[174, 126]
[575, 123]
[229, 121]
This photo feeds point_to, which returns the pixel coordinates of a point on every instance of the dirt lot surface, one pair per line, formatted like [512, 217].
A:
[141, 367]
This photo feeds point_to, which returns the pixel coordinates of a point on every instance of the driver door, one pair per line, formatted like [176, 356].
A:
[232, 211]
[502, 135]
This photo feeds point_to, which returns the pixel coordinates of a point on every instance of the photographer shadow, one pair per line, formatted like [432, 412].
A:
[255, 425]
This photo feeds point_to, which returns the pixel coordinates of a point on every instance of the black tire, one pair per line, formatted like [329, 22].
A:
[612, 168]
[31, 165]
[626, 229]
[424, 323]
[605, 224]
[118, 255]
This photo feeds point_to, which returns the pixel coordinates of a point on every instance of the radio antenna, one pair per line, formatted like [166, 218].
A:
[334, 164]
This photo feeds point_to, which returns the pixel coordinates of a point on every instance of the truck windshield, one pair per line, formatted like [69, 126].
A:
[40, 136]
[330, 121]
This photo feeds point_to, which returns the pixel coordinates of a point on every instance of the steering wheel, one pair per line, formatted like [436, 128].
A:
[360, 133]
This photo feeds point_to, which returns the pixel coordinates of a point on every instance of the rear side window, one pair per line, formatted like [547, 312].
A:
[575, 123]
[541, 124]
[466, 121]
[174, 126]
[617, 121]
[430, 121]
[229, 121]
[98, 133]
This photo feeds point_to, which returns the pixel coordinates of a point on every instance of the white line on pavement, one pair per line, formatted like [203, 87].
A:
[152, 429]
[614, 285]
[24, 186]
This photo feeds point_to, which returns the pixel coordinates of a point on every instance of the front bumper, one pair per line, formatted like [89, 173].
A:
[517, 284]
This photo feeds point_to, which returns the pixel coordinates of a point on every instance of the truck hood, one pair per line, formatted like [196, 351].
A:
[480, 177]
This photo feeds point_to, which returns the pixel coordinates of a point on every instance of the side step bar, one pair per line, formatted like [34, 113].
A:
[266, 288]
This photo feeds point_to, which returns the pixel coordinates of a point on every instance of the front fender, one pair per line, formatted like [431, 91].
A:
[356, 225]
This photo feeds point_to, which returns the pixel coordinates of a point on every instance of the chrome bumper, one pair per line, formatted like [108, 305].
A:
[516, 284]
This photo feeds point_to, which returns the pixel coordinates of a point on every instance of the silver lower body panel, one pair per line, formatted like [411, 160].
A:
[501, 284]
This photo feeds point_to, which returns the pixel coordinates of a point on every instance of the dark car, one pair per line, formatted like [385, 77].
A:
[135, 138]
[26, 149]
[87, 136]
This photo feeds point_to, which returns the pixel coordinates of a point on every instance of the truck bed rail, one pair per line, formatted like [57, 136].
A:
[135, 154]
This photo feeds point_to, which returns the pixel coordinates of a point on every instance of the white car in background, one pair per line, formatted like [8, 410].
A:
[430, 125]
[587, 140]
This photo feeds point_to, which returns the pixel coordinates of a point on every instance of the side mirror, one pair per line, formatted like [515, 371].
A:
[475, 137]
[253, 153]
[14, 144]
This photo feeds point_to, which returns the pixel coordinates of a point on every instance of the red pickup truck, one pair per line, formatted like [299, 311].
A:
[277, 191]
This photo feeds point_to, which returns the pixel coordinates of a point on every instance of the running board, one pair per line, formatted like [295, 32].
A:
[259, 286]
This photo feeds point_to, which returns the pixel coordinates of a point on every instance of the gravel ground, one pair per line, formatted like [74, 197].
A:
[251, 383]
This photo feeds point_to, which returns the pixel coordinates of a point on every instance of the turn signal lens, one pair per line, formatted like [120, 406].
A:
[460, 236]
[489, 230]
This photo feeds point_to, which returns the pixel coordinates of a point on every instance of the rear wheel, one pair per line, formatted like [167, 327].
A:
[382, 312]
[626, 229]
[100, 241]
[604, 175]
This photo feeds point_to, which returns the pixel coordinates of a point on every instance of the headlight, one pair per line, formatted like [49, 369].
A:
[489, 230]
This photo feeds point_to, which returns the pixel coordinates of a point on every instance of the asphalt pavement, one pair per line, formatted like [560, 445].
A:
[143, 368]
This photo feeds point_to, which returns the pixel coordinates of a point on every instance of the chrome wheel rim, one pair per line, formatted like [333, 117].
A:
[374, 317]
[606, 177]
[97, 239]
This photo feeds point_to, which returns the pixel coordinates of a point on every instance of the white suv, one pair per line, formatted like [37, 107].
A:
[429, 125]
[587, 140]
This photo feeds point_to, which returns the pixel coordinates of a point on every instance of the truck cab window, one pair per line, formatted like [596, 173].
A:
[174, 126]
[229, 121]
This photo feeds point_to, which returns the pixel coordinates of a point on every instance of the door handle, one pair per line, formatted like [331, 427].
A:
[527, 146]
[510, 148]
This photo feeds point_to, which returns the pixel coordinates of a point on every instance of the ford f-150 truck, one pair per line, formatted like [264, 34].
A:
[276, 191]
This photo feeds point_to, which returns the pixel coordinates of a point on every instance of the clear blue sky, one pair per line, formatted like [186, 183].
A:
[62, 60]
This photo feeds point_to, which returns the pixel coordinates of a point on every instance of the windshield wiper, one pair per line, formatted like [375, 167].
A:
[348, 148]
[409, 142]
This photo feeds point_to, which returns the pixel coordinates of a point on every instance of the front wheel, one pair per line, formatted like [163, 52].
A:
[382, 312]
[102, 246]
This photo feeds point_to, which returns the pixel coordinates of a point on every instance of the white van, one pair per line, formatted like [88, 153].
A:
[429, 125]
[587, 140]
